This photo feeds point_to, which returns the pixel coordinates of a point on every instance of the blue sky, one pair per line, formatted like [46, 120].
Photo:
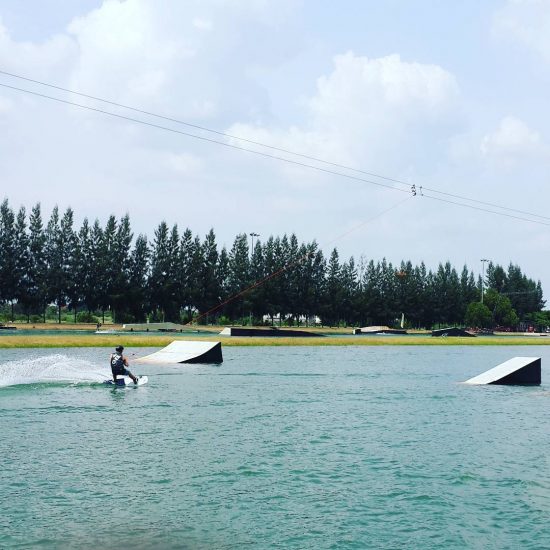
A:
[449, 95]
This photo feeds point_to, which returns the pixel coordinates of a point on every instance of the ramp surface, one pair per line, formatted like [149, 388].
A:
[181, 351]
[151, 327]
[270, 332]
[518, 370]
[379, 329]
[452, 331]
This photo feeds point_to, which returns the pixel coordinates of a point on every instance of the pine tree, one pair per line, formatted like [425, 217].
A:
[239, 270]
[222, 275]
[22, 258]
[137, 295]
[120, 284]
[211, 290]
[98, 268]
[333, 291]
[291, 277]
[90, 264]
[256, 295]
[430, 300]
[318, 279]
[54, 258]
[196, 266]
[172, 304]
[36, 274]
[60, 248]
[160, 271]
[306, 291]
[496, 278]
[349, 292]
[417, 303]
[272, 288]
[185, 275]
[109, 264]
[389, 307]
[448, 295]
[406, 284]
[371, 297]
[8, 269]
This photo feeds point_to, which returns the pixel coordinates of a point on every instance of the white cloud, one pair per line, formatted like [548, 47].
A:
[158, 54]
[202, 24]
[49, 58]
[125, 52]
[184, 163]
[153, 56]
[5, 105]
[247, 65]
[511, 141]
[528, 22]
[384, 113]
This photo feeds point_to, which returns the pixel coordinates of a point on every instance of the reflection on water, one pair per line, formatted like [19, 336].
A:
[330, 447]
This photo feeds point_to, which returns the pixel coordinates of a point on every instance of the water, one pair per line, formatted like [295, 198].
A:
[79, 332]
[279, 447]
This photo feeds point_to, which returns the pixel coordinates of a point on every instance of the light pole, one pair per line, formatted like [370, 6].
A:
[483, 260]
[252, 235]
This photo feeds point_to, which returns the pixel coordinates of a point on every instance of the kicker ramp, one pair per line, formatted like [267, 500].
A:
[523, 371]
[377, 330]
[452, 331]
[181, 351]
[270, 332]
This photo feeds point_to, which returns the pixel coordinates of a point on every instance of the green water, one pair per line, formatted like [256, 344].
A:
[308, 447]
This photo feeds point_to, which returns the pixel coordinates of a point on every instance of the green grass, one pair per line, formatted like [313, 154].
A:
[154, 340]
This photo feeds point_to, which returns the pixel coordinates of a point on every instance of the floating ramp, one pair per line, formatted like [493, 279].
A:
[181, 351]
[379, 329]
[523, 371]
[452, 331]
[153, 327]
[269, 332]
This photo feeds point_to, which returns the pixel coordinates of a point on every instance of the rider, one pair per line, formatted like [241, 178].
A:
[119, 364]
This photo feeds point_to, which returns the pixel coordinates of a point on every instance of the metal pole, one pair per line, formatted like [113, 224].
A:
[252, 235]
[483, 260]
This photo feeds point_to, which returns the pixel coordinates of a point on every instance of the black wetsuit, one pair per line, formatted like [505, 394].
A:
[117, 365]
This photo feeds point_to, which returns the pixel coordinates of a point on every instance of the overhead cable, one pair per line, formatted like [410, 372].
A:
[202, 138]
[272, 147]
[422, 189]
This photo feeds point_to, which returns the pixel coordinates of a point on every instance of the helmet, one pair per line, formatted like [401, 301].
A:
[119, 348]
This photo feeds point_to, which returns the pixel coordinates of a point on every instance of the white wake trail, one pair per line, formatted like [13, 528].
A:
[51, 368]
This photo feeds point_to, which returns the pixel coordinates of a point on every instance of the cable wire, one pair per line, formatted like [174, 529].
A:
[272, 147]
[202, 138]
[422, 190]
[296, 262]
[471, 206]
[484, 203]
[293, 162]
[204, 128]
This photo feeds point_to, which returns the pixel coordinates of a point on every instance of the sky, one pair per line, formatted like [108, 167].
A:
[448, 96]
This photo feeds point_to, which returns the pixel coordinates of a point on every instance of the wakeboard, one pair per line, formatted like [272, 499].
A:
[123, 381]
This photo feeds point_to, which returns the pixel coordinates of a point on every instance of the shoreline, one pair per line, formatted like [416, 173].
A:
[152, 341]
[83, 335]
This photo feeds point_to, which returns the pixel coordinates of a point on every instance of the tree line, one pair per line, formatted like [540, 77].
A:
[177, 276]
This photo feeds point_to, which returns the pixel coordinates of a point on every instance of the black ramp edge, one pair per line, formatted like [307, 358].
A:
[529, 375]
[524, 371]
[270, 332]
[213, 355]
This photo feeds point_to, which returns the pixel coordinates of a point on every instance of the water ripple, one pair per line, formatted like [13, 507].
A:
[277, 448]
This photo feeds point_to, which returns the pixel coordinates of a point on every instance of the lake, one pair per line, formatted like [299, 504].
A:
[278, 447]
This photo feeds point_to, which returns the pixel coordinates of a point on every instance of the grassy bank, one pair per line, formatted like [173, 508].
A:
[129, 341]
